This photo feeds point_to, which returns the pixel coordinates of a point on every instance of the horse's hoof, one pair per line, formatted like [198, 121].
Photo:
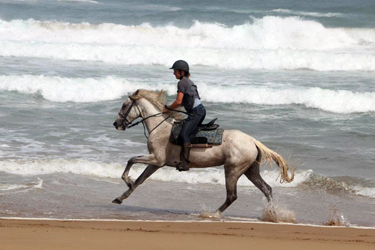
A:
[117, 201]
[211, 216]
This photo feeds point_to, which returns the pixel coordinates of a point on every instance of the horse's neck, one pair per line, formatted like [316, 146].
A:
[149, 109]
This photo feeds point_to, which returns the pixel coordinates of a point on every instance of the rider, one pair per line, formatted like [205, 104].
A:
[188, 97]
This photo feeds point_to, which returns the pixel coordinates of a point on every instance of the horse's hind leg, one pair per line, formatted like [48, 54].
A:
[254, 176]
[231, 177]
[146, 173]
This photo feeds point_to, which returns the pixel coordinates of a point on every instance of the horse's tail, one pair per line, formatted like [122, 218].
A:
[269, 156]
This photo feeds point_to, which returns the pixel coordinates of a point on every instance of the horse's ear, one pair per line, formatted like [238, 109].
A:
[135, 94]
[162, 96]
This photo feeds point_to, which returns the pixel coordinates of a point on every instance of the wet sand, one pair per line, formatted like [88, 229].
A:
[51, 234]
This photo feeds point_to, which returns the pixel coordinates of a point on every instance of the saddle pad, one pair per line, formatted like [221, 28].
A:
[214, 137]
[211, 137]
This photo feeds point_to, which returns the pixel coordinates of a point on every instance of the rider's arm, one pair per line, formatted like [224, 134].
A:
[176, 103]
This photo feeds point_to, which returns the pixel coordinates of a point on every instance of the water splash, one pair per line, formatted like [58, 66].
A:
[336, 218]
[39, 184]
[211, 215]
[272, 212]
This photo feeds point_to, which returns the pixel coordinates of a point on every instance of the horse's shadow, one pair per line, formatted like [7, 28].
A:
[130, 212]
[140, 210]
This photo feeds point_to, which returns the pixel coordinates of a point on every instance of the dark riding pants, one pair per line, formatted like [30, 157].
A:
[196, 117]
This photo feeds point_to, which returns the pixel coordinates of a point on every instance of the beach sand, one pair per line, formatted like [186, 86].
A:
[51, 234]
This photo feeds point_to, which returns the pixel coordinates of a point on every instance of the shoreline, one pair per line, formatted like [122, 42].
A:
[252, 221]
[111, 234]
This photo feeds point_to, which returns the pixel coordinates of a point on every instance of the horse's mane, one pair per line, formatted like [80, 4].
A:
[157, 98]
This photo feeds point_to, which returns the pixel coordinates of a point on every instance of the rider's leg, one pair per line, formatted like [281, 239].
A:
[195, 118]
[184, 157]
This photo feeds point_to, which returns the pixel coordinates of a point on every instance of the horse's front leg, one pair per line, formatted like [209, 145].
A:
[145, 159]
[146, 173]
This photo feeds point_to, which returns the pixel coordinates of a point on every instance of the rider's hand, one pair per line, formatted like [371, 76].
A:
[165, 110]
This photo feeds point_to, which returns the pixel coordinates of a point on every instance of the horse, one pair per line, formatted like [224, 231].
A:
[240, 153]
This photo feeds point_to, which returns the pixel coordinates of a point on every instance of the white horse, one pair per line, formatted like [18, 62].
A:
[239, 153]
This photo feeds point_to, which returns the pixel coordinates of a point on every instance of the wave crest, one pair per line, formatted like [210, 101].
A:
[197, 176]
[61, 89]
[267, 43]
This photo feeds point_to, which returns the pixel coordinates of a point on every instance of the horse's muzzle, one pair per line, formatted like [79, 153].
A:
[121, 127]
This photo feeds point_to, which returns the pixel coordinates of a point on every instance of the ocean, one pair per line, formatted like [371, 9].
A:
[296, 75]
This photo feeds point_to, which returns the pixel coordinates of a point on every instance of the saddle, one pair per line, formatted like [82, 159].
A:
[208, 134]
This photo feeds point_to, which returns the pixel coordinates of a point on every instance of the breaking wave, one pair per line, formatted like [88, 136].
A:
[267, 43]
[168, 174]
[337, 185]
[105, 170]
[60, 89]
[79, 1]
[306, 13]
[5, 188]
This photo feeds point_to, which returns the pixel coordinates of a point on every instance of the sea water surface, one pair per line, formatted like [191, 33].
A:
[296, 75]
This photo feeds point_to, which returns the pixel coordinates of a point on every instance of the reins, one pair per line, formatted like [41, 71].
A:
[175, 110]
[144, 127]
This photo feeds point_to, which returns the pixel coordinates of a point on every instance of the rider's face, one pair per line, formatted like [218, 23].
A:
[177, 74]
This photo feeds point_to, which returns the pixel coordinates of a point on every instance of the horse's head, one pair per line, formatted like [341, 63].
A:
[139, 102]
[128, 113]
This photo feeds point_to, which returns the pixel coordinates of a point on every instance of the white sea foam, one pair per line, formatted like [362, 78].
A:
[364, 191]
[60, 89]
[40, 183]
[337, 101]
[67, 89]
[79, 1]
[8, 187]
[287, 12]
[156, 7]
[167, 174]
[267, 33]
[83, 167]
[267, 43]
[339, 186]
[305, 13]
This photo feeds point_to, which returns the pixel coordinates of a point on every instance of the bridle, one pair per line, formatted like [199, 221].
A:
[127, 124]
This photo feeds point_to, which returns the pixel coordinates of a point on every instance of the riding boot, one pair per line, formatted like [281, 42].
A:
[184, 157]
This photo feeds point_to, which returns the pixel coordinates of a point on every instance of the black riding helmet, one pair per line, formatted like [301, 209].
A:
[181, 65]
